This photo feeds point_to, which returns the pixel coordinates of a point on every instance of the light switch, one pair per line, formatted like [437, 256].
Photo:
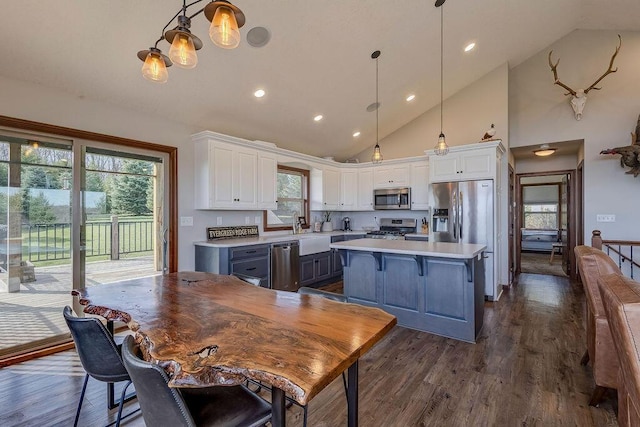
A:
[247, 220]
[605, 218]
[219, 220]
[186, 221]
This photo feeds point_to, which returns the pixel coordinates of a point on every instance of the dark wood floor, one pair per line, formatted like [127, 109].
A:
[525, 370]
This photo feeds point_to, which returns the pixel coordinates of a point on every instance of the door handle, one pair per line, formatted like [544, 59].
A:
[460, 214]
[454, 214]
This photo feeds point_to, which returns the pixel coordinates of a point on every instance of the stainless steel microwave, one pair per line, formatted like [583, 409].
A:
[392, 198]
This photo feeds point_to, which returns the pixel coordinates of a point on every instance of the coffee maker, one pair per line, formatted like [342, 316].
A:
[346, 223]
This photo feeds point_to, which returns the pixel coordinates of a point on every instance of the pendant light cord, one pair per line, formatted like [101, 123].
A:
[441, 61]
[377, 103]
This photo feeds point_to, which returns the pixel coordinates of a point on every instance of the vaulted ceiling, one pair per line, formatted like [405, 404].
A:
[318, 59]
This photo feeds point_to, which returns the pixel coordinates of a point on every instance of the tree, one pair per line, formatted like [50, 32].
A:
[40, 210]
[129, 195]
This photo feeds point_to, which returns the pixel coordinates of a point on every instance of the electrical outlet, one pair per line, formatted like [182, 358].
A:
[219, 220]
[247, 220]
[186, 221]
[605, 218]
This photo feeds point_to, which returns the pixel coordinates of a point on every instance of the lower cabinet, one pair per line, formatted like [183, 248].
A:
[315, 268]
[252, 260]
[336, 267]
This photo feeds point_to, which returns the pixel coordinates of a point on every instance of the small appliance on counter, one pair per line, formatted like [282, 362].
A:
[346, 223]
[394, 228]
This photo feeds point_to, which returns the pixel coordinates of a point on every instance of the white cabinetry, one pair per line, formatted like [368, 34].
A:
[365, 190]
[391, 176]
[325, 189]
[348, 189]
[225, 176]
[267, 179]
[420, 185]
[471, 163]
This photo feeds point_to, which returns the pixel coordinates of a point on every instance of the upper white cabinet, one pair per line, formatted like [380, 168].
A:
[464, 163]
[267, 181]
[365, 190]
[389, 176]
[225, 176]
[325, 189]
[348, 190]
[420, 185]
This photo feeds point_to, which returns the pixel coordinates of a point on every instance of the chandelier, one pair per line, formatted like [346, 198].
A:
[225, 18]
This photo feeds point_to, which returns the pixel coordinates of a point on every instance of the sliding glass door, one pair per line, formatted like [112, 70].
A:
[73, 213]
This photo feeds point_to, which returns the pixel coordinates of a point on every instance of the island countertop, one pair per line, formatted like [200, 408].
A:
[410, 247]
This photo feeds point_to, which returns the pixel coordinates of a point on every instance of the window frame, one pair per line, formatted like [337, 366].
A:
[305, 199]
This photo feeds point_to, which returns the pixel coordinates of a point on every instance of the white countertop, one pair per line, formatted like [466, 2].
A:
[411, 247]
[272, 238]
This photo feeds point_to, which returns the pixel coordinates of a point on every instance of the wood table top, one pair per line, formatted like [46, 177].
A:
[209, 329]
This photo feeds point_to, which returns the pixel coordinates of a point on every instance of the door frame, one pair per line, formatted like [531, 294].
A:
[171, 167]
[572, 223]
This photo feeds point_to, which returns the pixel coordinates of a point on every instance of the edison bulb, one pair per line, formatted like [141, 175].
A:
[183, 52]
[154, 69]
[224, 31]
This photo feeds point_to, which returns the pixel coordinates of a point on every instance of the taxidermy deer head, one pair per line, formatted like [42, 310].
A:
[579, 97]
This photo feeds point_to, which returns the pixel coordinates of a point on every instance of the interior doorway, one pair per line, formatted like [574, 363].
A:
[546, 223]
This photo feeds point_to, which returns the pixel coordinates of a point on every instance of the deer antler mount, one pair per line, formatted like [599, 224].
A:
[579, 97]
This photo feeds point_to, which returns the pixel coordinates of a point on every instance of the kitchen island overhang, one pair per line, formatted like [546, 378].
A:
[436, 287]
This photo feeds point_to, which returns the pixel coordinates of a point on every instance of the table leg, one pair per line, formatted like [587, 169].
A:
[352, 395]
[278, 414]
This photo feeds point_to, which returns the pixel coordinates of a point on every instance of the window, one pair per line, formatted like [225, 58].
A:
[543, 216]
[293, 200]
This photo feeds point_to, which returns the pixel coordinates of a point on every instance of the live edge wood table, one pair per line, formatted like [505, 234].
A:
[207, 329]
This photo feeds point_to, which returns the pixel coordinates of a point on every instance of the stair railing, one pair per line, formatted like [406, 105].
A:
[620, 251]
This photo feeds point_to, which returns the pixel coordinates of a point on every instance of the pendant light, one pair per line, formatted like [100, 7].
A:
[377, 155]
[226, 19]
[441, 147]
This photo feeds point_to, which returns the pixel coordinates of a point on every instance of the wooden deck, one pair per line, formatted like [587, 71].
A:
[524, 371]
[35, 313]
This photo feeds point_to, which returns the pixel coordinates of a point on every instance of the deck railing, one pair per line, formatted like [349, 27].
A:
[621, 251]
[46, 242]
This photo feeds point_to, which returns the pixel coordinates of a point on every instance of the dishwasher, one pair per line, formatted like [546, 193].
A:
[285, 266]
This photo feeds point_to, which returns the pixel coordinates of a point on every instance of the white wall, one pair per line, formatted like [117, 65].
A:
[539, 113]
[467, 115]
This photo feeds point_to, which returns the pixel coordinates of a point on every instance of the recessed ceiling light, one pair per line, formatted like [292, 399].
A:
[411, 98]
[469, 47]
[259, 93]
[318, 117]
[356, 134]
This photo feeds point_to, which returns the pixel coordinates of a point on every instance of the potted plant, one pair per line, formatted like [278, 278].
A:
[326, 223]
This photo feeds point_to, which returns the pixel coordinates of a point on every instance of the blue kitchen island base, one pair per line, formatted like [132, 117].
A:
[436, 294]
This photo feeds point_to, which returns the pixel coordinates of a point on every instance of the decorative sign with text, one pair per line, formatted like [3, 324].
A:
[232, 232]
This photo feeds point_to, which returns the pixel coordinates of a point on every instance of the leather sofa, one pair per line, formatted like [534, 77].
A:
[593, 263]
[621, 298]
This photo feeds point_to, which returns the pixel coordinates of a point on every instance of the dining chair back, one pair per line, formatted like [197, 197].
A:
[98, 353]
[211, 406]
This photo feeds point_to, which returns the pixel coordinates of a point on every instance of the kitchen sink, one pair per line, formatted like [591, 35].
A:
[312, 244]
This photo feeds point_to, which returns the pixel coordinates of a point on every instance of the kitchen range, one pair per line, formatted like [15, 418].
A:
[393, 229]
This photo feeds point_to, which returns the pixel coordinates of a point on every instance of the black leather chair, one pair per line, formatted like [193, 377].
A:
[161, 405]
[99, 355]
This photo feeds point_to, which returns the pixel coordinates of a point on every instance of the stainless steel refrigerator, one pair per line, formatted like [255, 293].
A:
[463, 212]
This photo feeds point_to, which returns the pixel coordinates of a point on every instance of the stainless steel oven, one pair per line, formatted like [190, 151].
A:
[392, 198]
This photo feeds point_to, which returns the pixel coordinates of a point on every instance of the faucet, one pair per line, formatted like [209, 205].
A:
[295, 224]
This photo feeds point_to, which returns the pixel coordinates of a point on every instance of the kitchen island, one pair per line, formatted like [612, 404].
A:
[433, 287]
